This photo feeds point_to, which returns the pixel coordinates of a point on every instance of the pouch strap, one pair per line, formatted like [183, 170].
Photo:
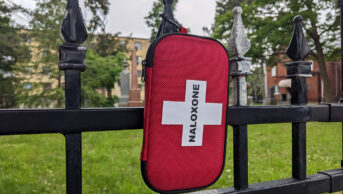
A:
[169, 24]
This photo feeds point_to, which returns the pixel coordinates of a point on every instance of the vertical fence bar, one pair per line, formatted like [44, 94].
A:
[167, 26]
[238, 46]
[72, 56]
[298, 71]
[340, 5]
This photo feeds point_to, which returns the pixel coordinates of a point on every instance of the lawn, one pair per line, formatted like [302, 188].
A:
[36, 163]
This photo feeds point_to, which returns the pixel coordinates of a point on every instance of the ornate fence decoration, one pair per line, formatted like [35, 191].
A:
[73, 121]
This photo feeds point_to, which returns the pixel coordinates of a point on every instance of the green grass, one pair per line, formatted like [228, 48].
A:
[36, 163]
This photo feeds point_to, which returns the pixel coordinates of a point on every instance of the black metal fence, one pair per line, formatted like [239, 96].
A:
[73, 121]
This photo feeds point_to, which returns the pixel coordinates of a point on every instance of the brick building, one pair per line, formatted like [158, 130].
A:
[278, 85]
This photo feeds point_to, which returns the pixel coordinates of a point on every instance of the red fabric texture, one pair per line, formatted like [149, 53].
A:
[170, 166]
[183, 30]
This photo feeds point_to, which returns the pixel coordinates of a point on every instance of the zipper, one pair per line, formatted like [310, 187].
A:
[149, 60]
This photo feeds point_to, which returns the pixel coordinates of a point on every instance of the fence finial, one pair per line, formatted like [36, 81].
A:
[298, 70]
[168, 23]
[298, 48]
[239, 43]
[73, 29]
[73, 33]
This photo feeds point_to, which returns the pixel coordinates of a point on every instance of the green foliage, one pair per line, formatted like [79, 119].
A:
[101, 73]
[8, 97]
[13, 51]
[254, 81]
[106, 44]
[12, 44]
[153, 19]
[45, 24]
[36, 163]
[270, 24]
[103, 66]
[99, 10]
[224, 6]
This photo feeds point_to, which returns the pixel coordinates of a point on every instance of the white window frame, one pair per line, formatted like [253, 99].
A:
[138, 46]
[277, 90]
[274, 71]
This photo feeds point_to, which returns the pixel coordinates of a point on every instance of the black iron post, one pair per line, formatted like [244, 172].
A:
[72, 56]
[319, 82]
[298, 71]
[238, 46]
[168, 24]
[340, 4]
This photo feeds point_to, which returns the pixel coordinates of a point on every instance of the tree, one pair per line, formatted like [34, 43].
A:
[103, 59]
[103, 43]
[153, 19]
[99, 10]
[45, 24]
[107, 44]
[45, 32]
[270, 22]
[102, 72]
[223, 6]
[13, 50]
[255, 88]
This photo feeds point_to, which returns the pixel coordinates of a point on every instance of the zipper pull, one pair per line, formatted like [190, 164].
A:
[143, 70]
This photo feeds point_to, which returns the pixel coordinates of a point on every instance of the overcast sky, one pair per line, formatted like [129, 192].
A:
[127, 16]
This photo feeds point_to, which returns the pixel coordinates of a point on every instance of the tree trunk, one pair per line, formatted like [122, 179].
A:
[264, 81]
[322, 62]
[322, 66]
[109, 93]
[59, 101]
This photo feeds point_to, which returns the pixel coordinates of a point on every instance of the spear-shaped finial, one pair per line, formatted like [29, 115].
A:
[73, 33]
[168, 24]
[239, 43]
[73, 29]
[298, 49]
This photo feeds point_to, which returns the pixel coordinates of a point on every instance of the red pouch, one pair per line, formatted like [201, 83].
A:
[186, 94]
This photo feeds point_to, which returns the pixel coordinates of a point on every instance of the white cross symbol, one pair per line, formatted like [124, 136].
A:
[193, 114]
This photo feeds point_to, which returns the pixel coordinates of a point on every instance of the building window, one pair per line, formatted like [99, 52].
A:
[46, 86]
[276, 90]
[28, 86]
[139, 60]
[312, 67]
[284, 97]
[28, 70]
[123, 44]
[274, 71]
[46, 53]
[309, 87]
[138, 46]
[28, 40]
[46, 70]
[139, 73]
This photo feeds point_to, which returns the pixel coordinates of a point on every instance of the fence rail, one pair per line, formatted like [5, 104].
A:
[73, 120]
[37, 121]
